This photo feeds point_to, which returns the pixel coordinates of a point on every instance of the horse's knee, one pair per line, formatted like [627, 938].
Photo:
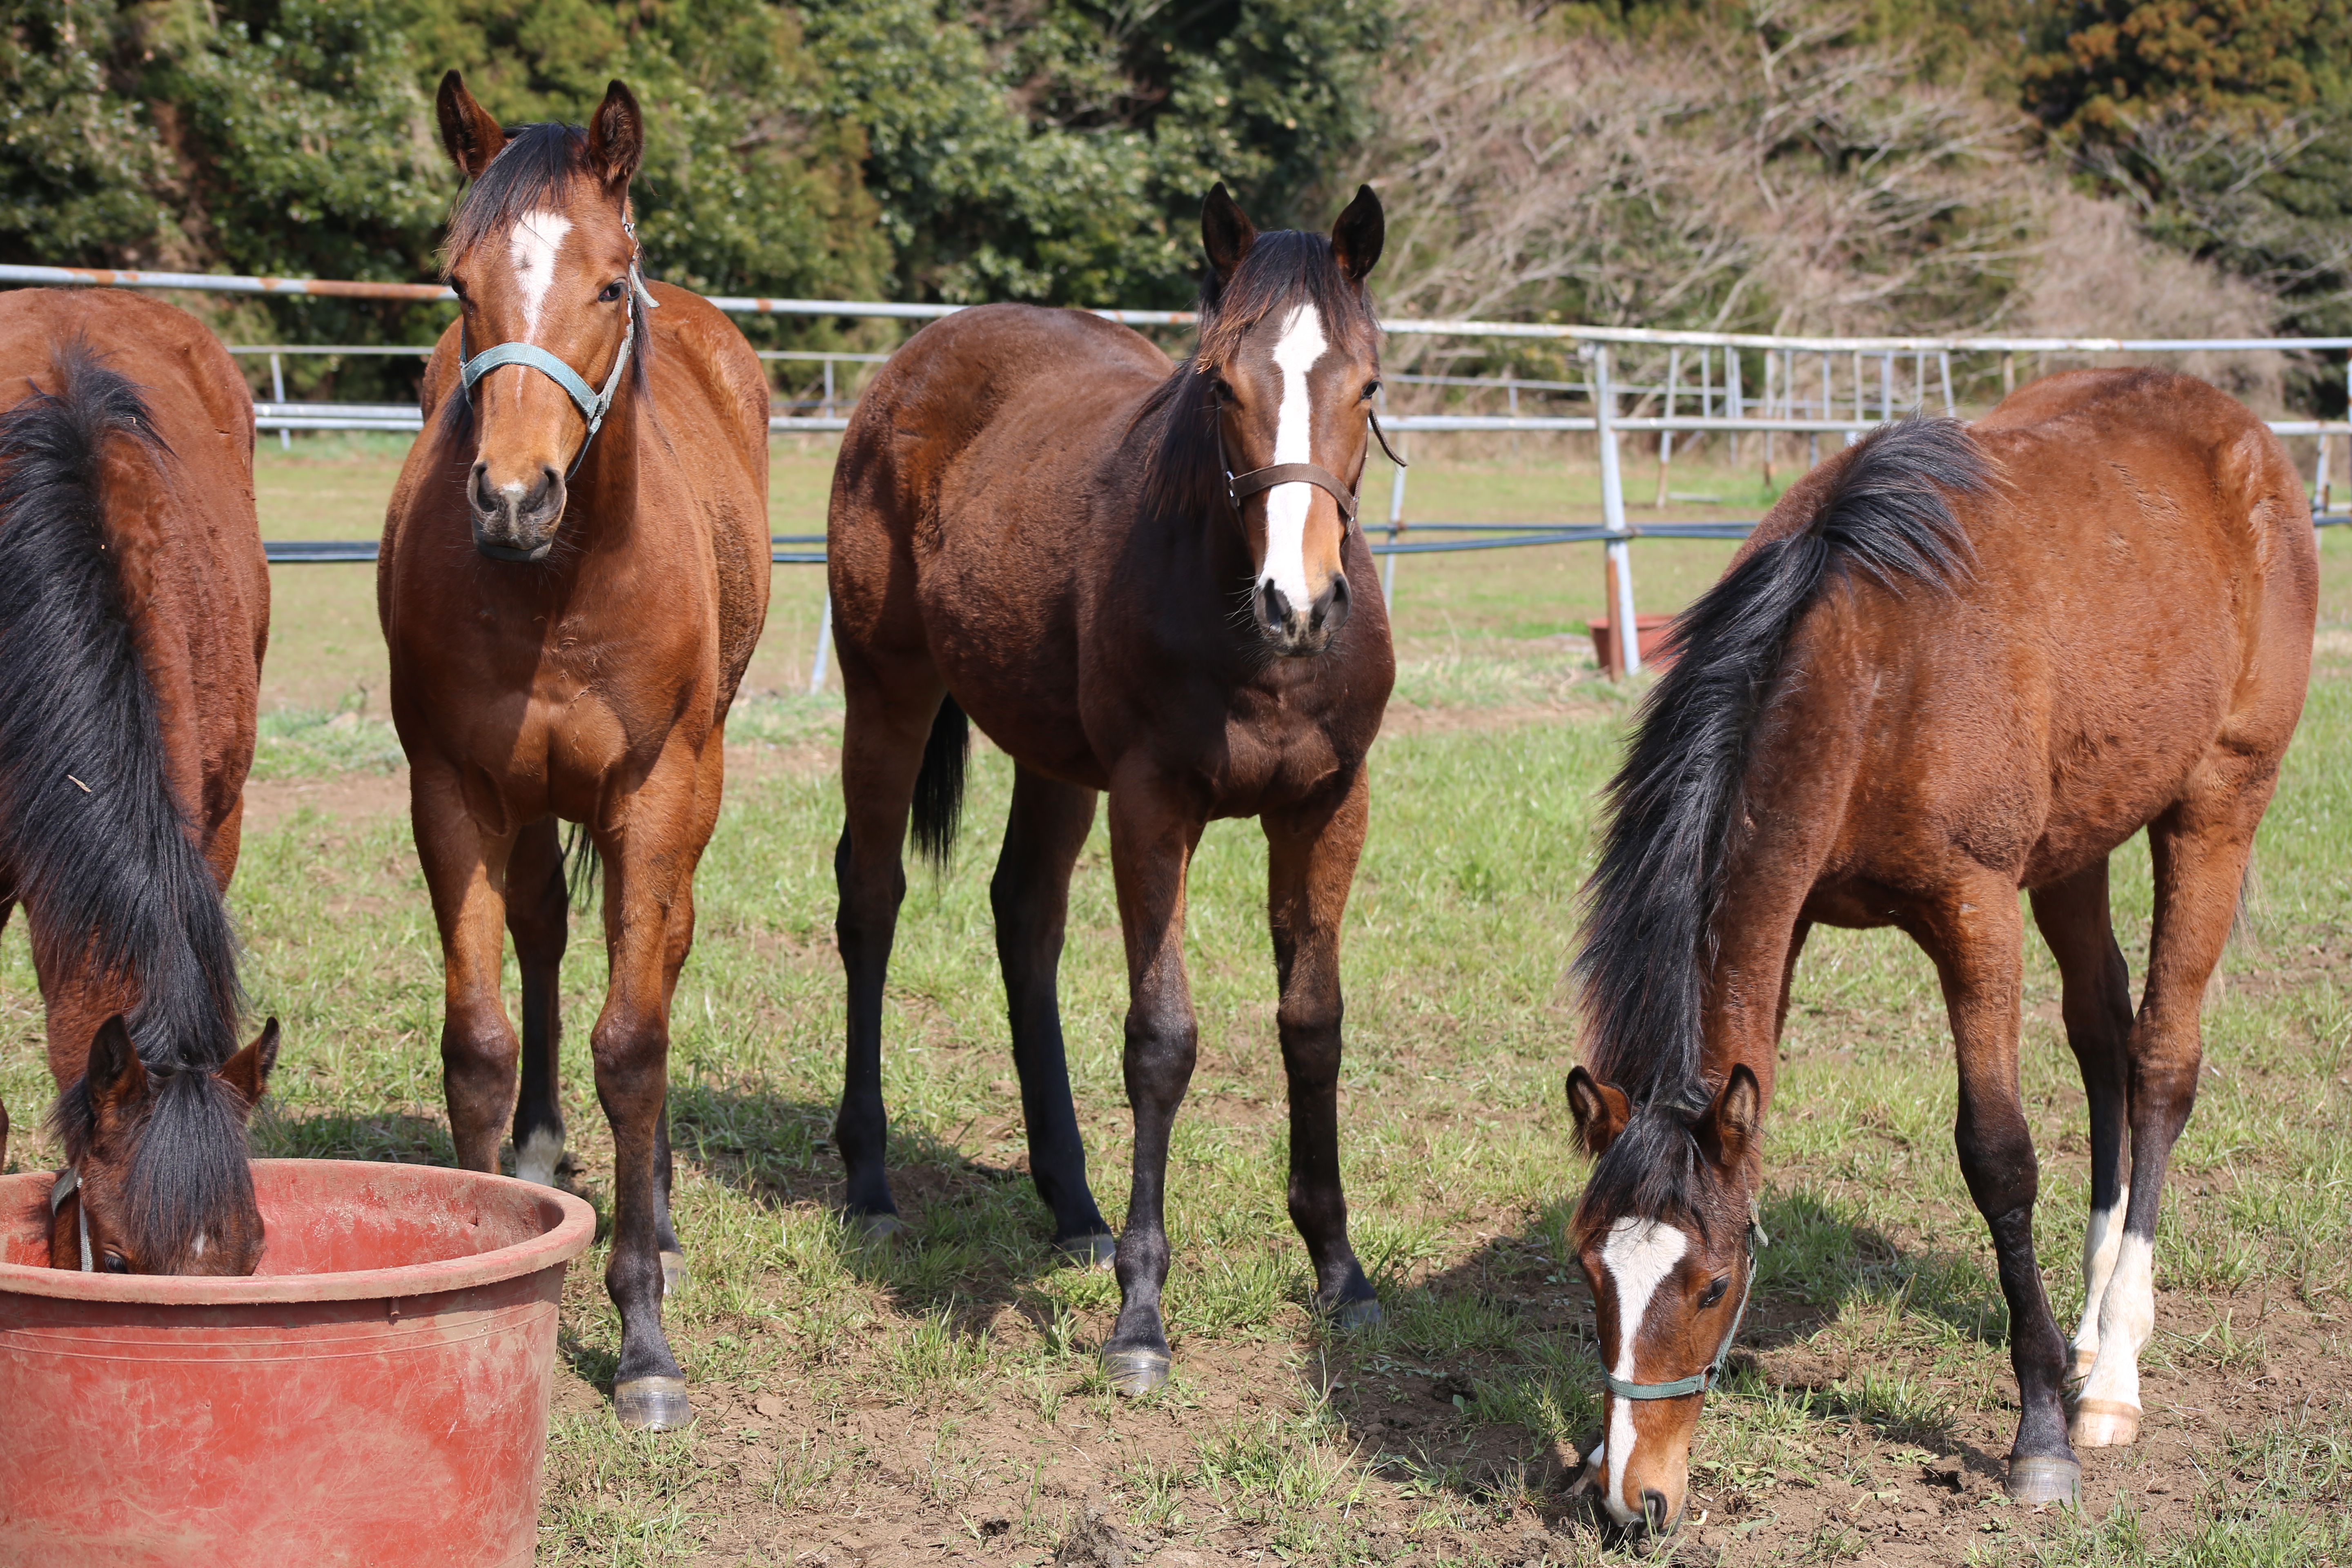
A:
[1998, 1163]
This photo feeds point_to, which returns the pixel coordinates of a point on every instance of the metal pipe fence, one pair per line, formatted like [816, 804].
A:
[1810, 387]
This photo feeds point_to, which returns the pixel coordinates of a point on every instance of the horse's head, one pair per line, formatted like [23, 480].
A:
[1291, 350]
[1667, 1236]
[158, 1176]
[542, 254]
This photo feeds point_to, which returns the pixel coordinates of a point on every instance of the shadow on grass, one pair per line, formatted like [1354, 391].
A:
[1483, 1382]
[978, 1238]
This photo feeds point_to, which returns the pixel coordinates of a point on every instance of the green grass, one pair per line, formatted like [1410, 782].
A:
[942, 1394]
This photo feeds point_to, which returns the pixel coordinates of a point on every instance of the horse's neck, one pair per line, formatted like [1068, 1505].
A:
[603, 500]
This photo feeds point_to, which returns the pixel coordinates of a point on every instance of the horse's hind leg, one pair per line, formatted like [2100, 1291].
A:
[2200, 849]
[883, 735]
[1976, 938]
[538, 914]
[1310, 864]
[1030, 897]
[2074, 919]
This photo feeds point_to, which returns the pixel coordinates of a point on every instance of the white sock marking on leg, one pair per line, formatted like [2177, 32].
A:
[2126, 1318]
[1639, 1255]
[2100, 1243]
[1295, 353]
[536, 1160]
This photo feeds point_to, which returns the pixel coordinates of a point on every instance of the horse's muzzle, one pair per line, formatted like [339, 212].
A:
[1296, 633]
[512, 522]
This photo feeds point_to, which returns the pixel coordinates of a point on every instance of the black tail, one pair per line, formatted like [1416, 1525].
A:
[583, 868]
[88, 830]
[939, 788]
[1649, 907]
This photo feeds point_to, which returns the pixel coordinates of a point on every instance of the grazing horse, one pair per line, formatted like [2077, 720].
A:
[1952, 664]
[1137, 578]
[134, 609]
[574, 575]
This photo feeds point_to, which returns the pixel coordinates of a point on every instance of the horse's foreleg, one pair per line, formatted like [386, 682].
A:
[1029, 895]
[2096, 1002]
[2200, 849]
[1977, 939]
[465, 867]
[882, 744]
[1152, 835]
[537, 914]
[1310, 864]
[646, 873]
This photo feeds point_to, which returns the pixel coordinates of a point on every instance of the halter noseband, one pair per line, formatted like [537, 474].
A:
[1699, 1382]
[68, 1181]
[1256, 480]
[592, 404]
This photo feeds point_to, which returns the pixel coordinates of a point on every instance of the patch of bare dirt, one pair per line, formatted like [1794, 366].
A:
[270, 803]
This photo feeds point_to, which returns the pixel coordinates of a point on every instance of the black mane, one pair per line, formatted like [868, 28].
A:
[1651, 905]
[90, 834]
[1183, 481]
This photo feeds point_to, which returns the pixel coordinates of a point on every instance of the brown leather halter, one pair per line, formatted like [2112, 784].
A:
[1266, 478]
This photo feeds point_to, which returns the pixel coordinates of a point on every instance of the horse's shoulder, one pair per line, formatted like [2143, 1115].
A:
[686, 323]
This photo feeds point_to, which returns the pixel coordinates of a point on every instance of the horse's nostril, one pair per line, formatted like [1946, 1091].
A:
[1654, 1510]
[1274, 605]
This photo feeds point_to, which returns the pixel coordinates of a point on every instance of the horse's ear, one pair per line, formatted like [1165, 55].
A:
[616, 137]
[1225, 234]
[1728, 1130]
[115, 1076]
[1357, 237]
[1601, 1110]
[248, 1072]
[472, 133]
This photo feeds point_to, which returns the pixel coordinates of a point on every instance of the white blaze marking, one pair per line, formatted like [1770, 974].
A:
[2126, 1318]
[197, 1247]
[535, 1161]
[1295, 353]
[2100, 1243]
[1639, 1255]
[534, 244]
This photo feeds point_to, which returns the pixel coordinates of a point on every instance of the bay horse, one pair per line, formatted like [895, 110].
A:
[134, 611]
[1140, 578]
[572, 580]
[1953, 663]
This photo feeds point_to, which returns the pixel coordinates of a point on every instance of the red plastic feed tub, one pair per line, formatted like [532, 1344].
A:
[377, 1394]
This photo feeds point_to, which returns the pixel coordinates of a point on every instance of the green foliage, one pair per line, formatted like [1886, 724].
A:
[2120, 60]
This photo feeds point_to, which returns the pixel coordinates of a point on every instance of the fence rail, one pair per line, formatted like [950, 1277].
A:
[1722, 404]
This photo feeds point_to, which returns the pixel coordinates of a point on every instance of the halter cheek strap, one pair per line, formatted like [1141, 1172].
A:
[1700, 1382]
[69, 1182]
[593, 404]
[1256, 480]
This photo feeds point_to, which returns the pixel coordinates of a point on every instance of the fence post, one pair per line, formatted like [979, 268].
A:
[1396, 516]
[823, 642]
[277, 394]
[1612, 516]
[828, 386]
[1944, 363]
[1666, 438]
[1731, 396]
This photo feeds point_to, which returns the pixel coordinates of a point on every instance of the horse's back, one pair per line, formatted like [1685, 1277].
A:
[2138, 607]
[182, 528]
[980, 449]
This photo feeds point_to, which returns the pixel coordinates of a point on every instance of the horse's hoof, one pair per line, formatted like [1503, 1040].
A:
[1135, 1372]
[652, 1405]
[1099, 1250]
[2103, 1424]
[2035, 1481]
[673, 1272]
[880, 1230]
[1363, 1315]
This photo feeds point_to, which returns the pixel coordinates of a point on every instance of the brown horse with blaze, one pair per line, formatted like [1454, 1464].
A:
[1140, 578]
[574, 575]
[134, 609]
[1954, 663]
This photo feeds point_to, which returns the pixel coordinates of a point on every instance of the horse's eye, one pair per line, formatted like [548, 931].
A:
[1714, 1293]
[115, 1263]
[613, 291]
[1222, 390]
[1371, 390]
